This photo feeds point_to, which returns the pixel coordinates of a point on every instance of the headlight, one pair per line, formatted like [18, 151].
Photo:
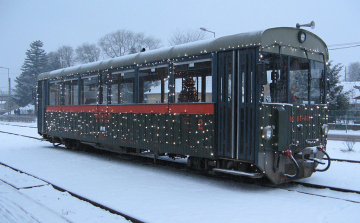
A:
[267, 133]
[301, 37]
[325, 129]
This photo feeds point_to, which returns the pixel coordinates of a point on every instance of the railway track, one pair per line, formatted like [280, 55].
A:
[31, 137]
[25, 126]
[326, 187]
[149, 160]
[289, 186]
[343, 160]
[96, 204]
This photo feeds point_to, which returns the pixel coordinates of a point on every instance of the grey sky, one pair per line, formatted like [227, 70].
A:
[73, 22]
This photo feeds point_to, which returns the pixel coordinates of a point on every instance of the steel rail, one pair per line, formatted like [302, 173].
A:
[32, 127]
[338, 189]
[96, 204]
[31, 137]
[344, 160]
[321, 187]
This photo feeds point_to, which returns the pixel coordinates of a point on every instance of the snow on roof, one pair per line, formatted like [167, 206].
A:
[354, 92]
[286, 37]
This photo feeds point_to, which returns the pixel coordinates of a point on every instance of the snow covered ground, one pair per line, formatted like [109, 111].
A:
[157, 194]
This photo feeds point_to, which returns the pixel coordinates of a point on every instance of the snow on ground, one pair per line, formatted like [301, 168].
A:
[16, 207]
[341, 174]
[34, 202]
[158, 194]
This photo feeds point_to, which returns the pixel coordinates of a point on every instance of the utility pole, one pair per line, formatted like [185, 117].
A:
[9, 92]
[345, 73]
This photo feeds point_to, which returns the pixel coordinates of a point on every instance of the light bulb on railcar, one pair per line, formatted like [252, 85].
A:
[325, 129]
[267, 133]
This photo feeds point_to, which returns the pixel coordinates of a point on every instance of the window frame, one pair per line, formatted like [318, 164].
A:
[93, 101]
[58, 96]
[164, 84]
[203, 81]
[64, 92]
[122, 73]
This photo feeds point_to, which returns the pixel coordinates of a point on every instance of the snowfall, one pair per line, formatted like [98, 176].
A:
[155, 193]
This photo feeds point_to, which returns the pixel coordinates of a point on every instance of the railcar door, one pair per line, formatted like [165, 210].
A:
[41, 106]
[224, 115]
[236, 112]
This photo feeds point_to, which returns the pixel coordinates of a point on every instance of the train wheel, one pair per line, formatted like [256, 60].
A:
[78, 145]
[67, 144]
[56, 144]
[195, 163]
[190, 163]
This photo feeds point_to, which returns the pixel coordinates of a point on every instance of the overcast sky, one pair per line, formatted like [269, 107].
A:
[74, 22]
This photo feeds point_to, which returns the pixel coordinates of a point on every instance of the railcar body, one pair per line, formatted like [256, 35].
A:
[251, 104]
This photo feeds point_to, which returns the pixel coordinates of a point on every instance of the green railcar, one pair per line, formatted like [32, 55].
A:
[250, 104]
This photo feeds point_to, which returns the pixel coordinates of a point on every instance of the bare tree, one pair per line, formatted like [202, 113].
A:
[141, 41]
[54, 60]
[123, 42]
[151, 43]
[349, 145]
[186, 36]
[354, 71]
[87, 53]
[66, 54]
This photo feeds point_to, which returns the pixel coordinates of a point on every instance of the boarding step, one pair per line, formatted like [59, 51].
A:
[239, 173]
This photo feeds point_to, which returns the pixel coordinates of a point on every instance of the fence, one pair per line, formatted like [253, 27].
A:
[344, 120]
[18, 118]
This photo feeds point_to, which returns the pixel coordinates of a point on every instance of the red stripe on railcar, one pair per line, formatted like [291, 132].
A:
[203, 108]
[192, 108]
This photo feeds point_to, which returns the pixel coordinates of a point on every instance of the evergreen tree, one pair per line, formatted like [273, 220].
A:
[188, 93]
[338, 100]
[34, 64]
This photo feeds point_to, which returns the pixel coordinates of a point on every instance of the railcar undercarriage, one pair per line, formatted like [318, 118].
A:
[299, 165]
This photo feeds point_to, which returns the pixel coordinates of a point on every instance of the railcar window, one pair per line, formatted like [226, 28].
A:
[71, 93]
[229, 78]
[301, 83]
[122, 88]
[89, 89]
[193, 82]
[317, 82]
[153, 85]
[54, 91]
[299, 80]
[276, 90]
[104, 88]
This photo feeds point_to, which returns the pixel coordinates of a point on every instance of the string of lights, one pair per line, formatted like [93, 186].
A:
[344, 45]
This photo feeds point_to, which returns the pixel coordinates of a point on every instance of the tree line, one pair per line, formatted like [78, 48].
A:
[353, 72]
[115, 44]
[120, 43]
